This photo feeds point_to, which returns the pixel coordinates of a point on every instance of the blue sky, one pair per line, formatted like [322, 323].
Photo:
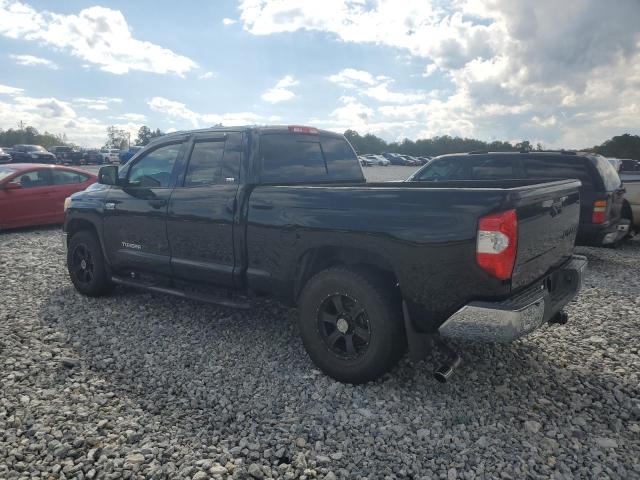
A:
[557, 74]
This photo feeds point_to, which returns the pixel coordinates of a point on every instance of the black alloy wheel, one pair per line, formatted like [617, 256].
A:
[344, 325]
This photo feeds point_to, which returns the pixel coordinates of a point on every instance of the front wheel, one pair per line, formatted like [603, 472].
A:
[351, 324]
[86, 265]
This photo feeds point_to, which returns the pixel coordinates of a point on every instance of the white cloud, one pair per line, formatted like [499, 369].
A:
[133, 117]
[179, 110]
[565, 72]
[98, 35]
[206, 75]
[7, 90]
[97, 103]
[31, 61]
[228, 21]
[281, 92]
[376, 87]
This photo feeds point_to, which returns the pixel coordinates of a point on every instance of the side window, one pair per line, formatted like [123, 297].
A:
[205, 164]
[154, 169]
[291, 158]
[34, 179]
[492, 168]
[63, 177]
[557, 168]
[445, 169]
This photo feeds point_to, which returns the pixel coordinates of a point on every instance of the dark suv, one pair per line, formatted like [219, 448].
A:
[602, 193]
[31, 154]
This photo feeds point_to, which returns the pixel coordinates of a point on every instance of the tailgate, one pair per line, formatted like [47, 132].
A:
[548, 216]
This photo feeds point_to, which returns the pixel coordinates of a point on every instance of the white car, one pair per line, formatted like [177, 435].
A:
[110, 155]
[378, 160]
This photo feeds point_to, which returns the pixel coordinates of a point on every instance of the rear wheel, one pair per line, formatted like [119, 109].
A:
[86, 265]
[350, 322]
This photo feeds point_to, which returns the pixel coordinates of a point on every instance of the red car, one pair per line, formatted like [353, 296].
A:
[33, 193]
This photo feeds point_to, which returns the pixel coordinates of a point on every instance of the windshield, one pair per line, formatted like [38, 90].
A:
[5, 172]
[34, 148]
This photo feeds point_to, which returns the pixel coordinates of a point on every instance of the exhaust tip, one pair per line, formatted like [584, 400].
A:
[445, 371]
[440, 376]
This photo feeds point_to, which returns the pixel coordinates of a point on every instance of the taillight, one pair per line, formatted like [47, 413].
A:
[599, 214]
[498, 243]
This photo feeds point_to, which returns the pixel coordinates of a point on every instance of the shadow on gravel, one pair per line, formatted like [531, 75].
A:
[212, 371]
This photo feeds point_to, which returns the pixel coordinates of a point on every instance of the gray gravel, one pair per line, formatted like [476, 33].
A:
[137, 385]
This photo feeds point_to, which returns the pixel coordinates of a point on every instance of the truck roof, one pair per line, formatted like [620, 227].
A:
[246, 128]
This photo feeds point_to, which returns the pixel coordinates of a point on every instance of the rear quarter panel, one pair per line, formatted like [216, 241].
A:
[427, 235]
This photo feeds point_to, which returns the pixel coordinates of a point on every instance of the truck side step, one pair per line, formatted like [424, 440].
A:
[202, 297]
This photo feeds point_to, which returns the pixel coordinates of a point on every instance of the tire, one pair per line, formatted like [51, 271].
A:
[86, 265]
[343, 302]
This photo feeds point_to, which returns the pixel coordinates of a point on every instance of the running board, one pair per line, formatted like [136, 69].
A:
[225, 302]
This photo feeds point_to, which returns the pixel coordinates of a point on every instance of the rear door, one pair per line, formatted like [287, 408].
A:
[202, 215]
[135, 215]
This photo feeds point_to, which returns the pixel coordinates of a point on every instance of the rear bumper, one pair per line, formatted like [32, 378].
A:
[597, 235]
[509, 319]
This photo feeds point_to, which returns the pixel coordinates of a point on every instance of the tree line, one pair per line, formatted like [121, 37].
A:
[621, 146]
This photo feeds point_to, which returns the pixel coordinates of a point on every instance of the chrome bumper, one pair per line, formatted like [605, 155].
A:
[507, 320]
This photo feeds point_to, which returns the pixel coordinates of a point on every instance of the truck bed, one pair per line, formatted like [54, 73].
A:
[424, 232]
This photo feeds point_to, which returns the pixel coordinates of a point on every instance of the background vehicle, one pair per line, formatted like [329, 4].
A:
[602, 194]
[93, 156]
[365, 161]
[286, 211]
[110, 154]
[629, 165]
[125, 155]
[33, 194]
[5, 156]
[631, 207]
[66, 154]
[378, 160]
[397, 159]
[31, 154]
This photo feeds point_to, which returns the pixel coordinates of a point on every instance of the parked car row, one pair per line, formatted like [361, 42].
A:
[605, 214]
[61, 154]
[387, 158]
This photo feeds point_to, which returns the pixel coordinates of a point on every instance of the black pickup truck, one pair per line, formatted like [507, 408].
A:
[373, 267]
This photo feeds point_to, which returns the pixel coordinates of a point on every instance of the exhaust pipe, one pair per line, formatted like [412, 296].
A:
[445, 371]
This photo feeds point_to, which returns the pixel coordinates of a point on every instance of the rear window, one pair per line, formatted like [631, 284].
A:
[608, 173]
[293, 158]
[557, 167]
[471, 167]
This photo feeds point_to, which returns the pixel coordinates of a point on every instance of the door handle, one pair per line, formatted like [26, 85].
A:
[158, 202]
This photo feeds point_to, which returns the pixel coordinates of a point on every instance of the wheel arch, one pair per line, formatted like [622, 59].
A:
[318, 259]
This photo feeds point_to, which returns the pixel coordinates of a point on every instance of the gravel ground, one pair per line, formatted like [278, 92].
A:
[137, 385]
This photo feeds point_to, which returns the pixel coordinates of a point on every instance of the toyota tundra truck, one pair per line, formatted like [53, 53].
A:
[223, 215]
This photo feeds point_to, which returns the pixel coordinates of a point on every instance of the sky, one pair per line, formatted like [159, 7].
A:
[565, 74]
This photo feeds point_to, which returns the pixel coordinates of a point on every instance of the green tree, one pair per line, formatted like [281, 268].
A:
[117, 138]
[621, 146]
[144, 135]
[29, 135]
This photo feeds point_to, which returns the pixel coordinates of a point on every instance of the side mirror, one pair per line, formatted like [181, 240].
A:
[13, 186]
[108, 175]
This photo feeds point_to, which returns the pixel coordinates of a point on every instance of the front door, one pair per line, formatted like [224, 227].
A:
[135, 215]
[202, 210]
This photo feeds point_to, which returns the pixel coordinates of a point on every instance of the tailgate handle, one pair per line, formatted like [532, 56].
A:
[157, 203]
